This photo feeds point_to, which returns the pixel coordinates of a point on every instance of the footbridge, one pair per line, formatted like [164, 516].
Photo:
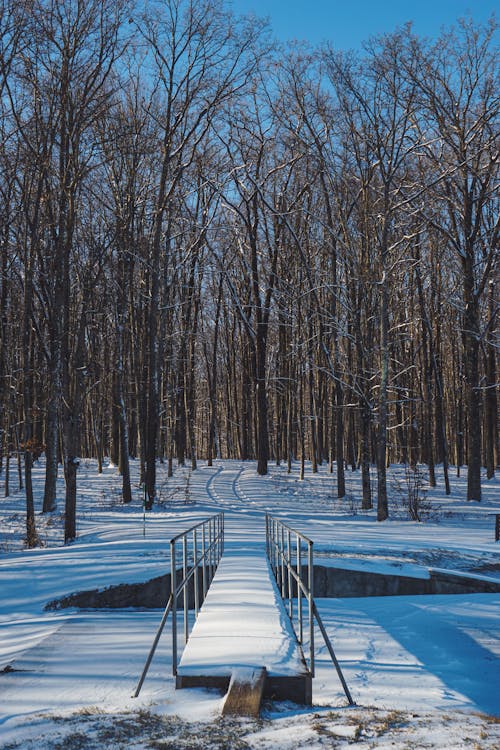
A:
[245, 613]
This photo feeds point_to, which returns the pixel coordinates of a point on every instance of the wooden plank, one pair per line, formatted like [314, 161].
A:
[245, 691]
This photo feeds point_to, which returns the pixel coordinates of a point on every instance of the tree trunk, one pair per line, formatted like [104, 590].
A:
[153, 373]
[74, 390]
[382, 503]
[471, 338]
[212, 378]
[491, 414]
[366, 502]
[339, 436]
[31, 534]
[123, 277]
[262, 405]
[52, 441]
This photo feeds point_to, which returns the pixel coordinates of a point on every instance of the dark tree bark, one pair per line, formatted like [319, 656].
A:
[490, 405]
[31, 533]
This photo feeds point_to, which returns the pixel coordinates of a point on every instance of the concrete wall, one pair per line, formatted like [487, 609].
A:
[328, 582]
[446, 582]
[149, 595]
[338, 582]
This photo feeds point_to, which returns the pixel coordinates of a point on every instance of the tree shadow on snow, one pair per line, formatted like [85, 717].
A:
[444, 634]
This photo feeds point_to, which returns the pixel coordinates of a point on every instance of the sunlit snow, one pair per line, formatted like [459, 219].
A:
[432, 661]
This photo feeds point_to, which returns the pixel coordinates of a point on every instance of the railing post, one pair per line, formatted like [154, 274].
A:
[310, 586]
[282, 555]
[273, 548]
[216, 542]
[290, 592]
[214, 527]
[195, 564]
[210, 551]
[299, 589]
[185, 588]
[204, 552]
[173, 583]
[277, 551]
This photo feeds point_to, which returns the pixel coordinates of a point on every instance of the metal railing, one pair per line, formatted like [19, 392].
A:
[194, 557]
[289, 552]
[285, 549]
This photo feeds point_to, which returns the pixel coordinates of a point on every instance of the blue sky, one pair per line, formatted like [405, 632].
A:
[347, 23]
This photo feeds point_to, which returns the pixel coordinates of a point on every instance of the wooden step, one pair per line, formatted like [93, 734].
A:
[245, 691]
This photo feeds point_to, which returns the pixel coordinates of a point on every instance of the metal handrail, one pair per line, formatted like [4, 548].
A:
[285, 548]
[280, 555]
[202, 546]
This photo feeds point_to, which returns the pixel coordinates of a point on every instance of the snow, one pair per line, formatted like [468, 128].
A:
[423, 670]
[242, 623]
[245, 676]
[380, 565]
[425, 652]
[283, 738]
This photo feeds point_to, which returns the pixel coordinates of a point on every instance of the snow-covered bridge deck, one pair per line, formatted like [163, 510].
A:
[243, 625]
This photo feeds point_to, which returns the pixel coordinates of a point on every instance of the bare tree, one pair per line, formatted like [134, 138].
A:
[458, 81]
[384, 102]
[70, 49]
[200, 59]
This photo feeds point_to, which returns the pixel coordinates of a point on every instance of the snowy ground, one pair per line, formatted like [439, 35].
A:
[424, 671]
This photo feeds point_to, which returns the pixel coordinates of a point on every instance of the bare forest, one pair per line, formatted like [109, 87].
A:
[214, 246]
